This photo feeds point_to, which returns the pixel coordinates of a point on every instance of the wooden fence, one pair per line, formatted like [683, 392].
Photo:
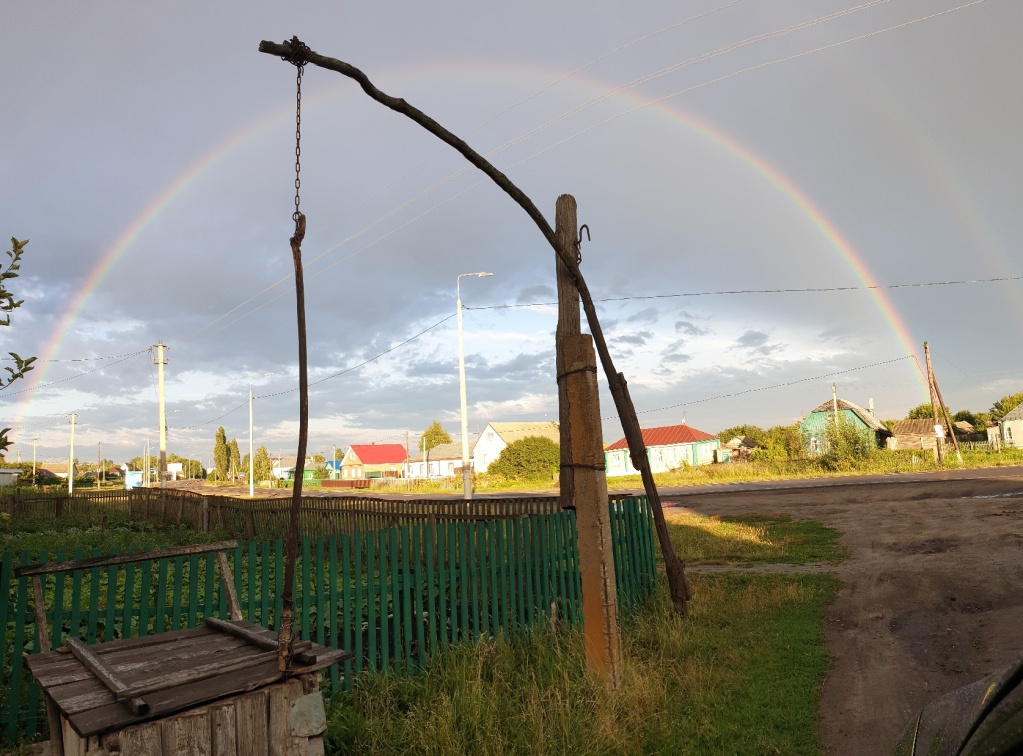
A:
[395, 596]
[268, 517]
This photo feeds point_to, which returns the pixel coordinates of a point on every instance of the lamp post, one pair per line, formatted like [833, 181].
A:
[252, 489]
[466, 472]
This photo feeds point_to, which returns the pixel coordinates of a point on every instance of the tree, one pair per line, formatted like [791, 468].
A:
[9, 304]
[433, 436]
[921, 412]
[235, 460]
[530, 458]
[845, 443]
[261, 464]
[1004, 406]
[221, 454]
[319, 460]
[781, 442]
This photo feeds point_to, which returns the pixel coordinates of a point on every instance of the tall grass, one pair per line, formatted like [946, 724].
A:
[741, 675]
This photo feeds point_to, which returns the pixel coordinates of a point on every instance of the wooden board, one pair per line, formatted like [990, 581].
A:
[91, 707]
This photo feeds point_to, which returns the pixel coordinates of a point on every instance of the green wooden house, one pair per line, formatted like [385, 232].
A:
[813, 425]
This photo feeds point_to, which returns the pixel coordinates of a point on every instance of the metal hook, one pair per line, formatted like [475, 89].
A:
[579, 243]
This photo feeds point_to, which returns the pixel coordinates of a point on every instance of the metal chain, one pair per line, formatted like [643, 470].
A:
[298, 139]
[297, 58]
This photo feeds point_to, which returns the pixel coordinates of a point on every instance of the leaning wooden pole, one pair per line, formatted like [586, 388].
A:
[674, 568]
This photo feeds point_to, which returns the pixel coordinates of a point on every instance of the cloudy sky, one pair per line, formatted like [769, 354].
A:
[147, 153]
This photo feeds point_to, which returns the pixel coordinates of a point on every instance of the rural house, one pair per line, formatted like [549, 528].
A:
[373, 461]
[442, 461]
[813, 425]
[1011, 427]
[667, 447]
[913, 434]
[496, 436]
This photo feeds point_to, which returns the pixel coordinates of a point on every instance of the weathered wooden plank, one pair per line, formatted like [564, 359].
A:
[115, 715]
[251, 715]
[74, 744]
[193, 675]
[226, 578]
[223, 728]
[282, 742]
[141, 740]
[106, 675]
[187, 735]
[260, 637]
[103, 561]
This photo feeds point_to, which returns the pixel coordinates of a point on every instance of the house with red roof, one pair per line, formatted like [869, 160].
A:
[373, 461]
[667, 448]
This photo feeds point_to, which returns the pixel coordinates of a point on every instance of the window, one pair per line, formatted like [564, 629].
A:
[1008, 433]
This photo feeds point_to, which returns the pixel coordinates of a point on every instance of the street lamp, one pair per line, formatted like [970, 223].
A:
[252, 489]
[466, 472]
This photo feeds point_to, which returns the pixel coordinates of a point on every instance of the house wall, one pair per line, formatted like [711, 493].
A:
[662, 458]
[434, 469]
[1012, 432]
[488, 448]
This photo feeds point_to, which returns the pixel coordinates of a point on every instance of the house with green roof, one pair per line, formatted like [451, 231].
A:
[812, 429]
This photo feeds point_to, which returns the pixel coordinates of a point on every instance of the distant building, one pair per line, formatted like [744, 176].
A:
[667, 448]
[1011, 427]
[9, 476]
[373, 461]
[496, 436]
[442, 461]
[914, 434]
[812, 429]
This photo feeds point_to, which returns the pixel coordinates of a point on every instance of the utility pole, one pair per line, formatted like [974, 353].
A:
[938, 437]
[582, 475]
[834, 400]
[34, 440]
[71, 459]
[98, 463]
[944, 410]
[160, 362]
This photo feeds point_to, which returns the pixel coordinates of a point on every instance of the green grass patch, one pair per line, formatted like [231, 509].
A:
[741, 675]
[751, 539]
[114, 530]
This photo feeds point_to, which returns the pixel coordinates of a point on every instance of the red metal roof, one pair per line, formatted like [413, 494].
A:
[379, 454]
[666, 436]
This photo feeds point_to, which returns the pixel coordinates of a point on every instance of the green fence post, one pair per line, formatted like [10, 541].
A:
[306, 587]
[348, 628]
[383, 577]
[95, 579]
[17, 670]
[266, 565]
[332, 607]
[422, 605]
[435, 595]
[463, 566]
[110, 618]
[144, 597]
[359, 609]
[322, 593]
[407, 608]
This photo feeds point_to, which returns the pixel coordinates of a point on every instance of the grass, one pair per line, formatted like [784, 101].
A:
[741, 674]
[114, 530]
[702, 539]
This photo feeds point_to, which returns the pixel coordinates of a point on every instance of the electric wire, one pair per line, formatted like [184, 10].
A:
[47, 385]
[724, 292]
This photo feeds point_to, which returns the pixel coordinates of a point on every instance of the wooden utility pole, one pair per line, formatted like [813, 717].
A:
[160, 361]
[938, 441]
[582, 476]
[71, 458]
[933, 381]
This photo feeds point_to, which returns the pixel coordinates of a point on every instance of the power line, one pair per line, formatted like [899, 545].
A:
[76, 375]
[724, 292]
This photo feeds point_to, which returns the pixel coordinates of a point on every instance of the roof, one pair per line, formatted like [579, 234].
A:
[441, 451]
[868, 419]
[738, 441]
[667, 435]
[917, 427]
[1015, 414]
[964, 427]
[511, 432]
[379, 454]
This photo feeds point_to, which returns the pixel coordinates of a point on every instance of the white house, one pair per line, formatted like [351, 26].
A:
[667, 447]
[1011, 427]
[443, 461]
[496, 436]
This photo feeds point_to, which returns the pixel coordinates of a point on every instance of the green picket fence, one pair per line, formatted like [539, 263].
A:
[395, 597]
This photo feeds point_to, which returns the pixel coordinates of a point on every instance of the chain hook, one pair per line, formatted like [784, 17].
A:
[579, 243]
[296, 57]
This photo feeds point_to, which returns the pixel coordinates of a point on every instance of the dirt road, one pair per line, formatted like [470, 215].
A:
[933, 594]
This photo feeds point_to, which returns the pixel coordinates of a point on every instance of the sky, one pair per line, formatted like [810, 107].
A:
[743, 146]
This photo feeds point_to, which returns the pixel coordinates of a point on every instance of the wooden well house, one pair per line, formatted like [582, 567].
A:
[213, 689]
